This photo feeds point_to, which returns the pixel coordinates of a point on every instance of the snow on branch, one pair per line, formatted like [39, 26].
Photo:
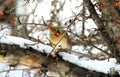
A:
[89, 64]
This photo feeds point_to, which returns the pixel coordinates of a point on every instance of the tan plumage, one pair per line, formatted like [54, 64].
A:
[26, 61]
[30, 61]
[58, 37]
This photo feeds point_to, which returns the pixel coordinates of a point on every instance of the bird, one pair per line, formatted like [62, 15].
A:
[58, 37]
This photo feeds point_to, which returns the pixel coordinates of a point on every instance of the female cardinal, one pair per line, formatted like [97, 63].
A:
[58, 37]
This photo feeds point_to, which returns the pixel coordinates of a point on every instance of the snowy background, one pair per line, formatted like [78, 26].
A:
[43, 10]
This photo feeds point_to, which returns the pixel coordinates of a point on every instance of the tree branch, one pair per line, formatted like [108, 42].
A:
[111, 43]
[51, 65]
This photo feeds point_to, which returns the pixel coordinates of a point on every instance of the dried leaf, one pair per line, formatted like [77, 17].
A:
[30, 61]
[38, 40]
[101, 7]
[118, 41]
[117, 4]
[117, 21]
[68, 22]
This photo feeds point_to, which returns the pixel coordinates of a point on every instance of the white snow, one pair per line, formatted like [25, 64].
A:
[97, 65]
[43, 9]
[5, 70]
[24, 43]
[5, 29]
